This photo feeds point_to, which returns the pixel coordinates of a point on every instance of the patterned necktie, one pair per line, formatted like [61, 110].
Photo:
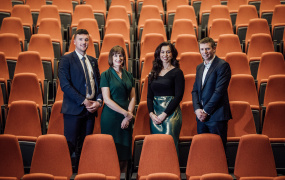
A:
[87, 76]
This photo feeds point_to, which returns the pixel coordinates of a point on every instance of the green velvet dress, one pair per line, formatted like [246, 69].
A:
[111, 120]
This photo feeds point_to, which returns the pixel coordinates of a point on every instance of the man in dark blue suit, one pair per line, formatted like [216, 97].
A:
[210, 92]
[79, 80]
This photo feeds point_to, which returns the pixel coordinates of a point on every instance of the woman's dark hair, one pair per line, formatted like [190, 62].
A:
[116, 50]
[157, 63]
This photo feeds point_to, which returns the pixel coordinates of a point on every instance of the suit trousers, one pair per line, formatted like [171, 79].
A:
[76, 127]
[214, 127]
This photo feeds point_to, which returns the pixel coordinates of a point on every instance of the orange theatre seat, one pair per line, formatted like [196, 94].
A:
[56, 122]
[48, 11]
[5, 10]
[233, 6]
[181, 26]
[103, 63]
[189, 61]
[99, 11]
[273, 127]
[238, 62]
[266, 9]
[216, 176]
[99, 155]
[220, 27]
[158, 3]
[242, 123]
[51, 156]
[171, 9]
[227, 43]
[155, 159]
[259, 43]
[189, 82]
[10, 45]
[65, 9]
[206, 155]
[140, 130]
[11, 164]
[271, 63]
[242, 88]
[188, 130]
[278, 23]
[254, 157]
[127, 5]
[35, 6]
[24, 13]
[244, 15]
[186, 43]
[4, 76]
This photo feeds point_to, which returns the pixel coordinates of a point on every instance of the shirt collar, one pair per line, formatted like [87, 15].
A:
[210, 62]
[79, 55]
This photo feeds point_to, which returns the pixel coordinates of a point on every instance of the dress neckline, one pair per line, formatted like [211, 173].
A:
[167, 72]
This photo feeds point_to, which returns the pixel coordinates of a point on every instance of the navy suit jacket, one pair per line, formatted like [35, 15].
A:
[73, 83]
[213, 96]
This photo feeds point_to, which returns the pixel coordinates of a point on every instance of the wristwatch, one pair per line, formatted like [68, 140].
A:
[100, 102]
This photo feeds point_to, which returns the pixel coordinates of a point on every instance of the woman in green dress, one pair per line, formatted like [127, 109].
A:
[118, 91]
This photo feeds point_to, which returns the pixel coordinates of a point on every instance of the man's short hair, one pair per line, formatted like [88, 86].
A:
[80, 31]
[208, 40]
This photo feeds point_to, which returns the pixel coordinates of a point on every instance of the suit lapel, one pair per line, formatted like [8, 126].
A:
[212, 67]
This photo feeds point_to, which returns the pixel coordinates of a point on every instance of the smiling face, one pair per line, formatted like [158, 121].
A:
[118, 59]
[207, 51]
[165, 54]
[81, 43]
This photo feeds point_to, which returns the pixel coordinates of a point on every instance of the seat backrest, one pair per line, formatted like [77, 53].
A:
[81, 11]
[147, 12]
[103, 63]
[11, 164]
[13, 25]
[98, 6]
[25, 86]
[141, 125]
[24, 13]
[88, 176]
[118, 26]
[56, 122]
[186, 12]
[273, 120]
[242, 88]
[10, 45]
[23, 120]
[90, 50]
[242, 121]
[271, 63]
[254, 157]
[216, 176]
[206, 155]
[186, 43]
[111, 40]
[52, 27]
[51, 156]
[150, 43]
[126, 4]
[153, 26]
[181, 26]
[278, 17]
[234, 5]
[245, 14]
[267, 6]
[257, 25]
[189, 125]
[206, 6]
[219, 27]
[218, 12]
[99, 155]
[157, 3]
[4, 73]
[238, 62]
[172, 6]
[259, 43]
[275, 89]
[154, 154]
[6, 6]
[42, 43]
[189, 82]
[147, 67]
[91, 26]
[30, 62]
[35, 5]
[118, 12]
[144, 89]
[48, 11]
[227, 43]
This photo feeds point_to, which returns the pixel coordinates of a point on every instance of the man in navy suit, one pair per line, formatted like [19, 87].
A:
[79, 80]
[209, 94]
